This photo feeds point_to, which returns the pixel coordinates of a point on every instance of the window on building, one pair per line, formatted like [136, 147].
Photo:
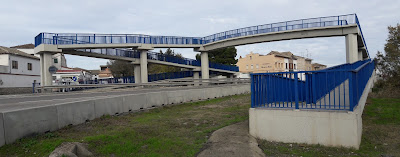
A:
[55, 60]
[294, 65]
[251, 57]
[286, 66]
[247, 66]
[256, 66]
[15, 64]
[29, 66]
[252, 66]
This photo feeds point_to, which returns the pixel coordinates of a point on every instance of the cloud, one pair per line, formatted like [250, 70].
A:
[22, 20]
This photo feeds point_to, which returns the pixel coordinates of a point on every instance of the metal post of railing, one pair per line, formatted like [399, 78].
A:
[296, 90]
[338, 20]
[351, 98]
[286, 26]
[313, 88]
[252, 90]
[33, 87]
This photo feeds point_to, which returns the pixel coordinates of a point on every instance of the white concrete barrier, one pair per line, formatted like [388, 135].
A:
[156, 99]
[109, 106]
[175, 97]
[135, 102]
[16, 124]
[75, 112]
[2, 138]
[28, 121]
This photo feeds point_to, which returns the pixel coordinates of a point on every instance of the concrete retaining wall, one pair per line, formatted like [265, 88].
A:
[17, 124]
[25, 122]
[330, 128]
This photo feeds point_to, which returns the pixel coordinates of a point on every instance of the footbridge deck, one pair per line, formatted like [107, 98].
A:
[121, 46]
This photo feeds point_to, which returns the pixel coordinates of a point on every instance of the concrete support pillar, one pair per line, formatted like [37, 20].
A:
[205, 73]
[143, 66]
[360, 55]
[137, 74]
[351, 48]
[196, 76]
[45, 63]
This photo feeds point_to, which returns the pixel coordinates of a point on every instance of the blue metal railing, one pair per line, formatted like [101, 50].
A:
[159, 57]
[362, 35]
[171, 75]
[336, 88]
[151, 78]
[81, 38]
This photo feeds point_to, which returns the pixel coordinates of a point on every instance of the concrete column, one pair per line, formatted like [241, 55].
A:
[45, 63]
[143, 66]
[205, 73]
[360, 55]
[351, 48]
[137, 74]
[196, 75]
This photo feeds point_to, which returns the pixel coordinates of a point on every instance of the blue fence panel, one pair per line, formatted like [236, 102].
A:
[335, 88]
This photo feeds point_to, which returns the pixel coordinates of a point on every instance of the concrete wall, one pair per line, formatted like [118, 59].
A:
[23, 65]
[21, 77]
[4, 69]
[330, 128]
[25, 122]
[10, 80]
[4, 59]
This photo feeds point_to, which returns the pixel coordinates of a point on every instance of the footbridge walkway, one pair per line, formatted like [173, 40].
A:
[135, 47]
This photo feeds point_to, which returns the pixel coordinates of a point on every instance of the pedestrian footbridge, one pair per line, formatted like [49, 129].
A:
[136, 47]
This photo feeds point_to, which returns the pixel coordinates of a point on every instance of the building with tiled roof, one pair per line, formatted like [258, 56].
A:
[17, 68]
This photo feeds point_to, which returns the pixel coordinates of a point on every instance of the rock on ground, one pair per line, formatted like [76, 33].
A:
[232, 141]
[71, 149]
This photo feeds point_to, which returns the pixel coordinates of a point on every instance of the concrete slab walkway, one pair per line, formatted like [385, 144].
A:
[232, 141]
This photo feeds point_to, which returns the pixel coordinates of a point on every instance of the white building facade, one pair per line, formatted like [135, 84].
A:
[18, 69]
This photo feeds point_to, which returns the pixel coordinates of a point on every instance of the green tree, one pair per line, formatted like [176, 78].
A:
[120, 68]
[388, 64]
[223, 55]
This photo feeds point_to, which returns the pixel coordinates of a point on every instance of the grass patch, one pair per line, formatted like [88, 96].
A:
[381, 135]
[175, 130]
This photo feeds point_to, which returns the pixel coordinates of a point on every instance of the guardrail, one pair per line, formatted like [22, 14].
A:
[165, 83]
[336, 88]
[82, 38]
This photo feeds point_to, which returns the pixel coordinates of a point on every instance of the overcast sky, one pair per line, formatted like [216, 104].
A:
[22, 20]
